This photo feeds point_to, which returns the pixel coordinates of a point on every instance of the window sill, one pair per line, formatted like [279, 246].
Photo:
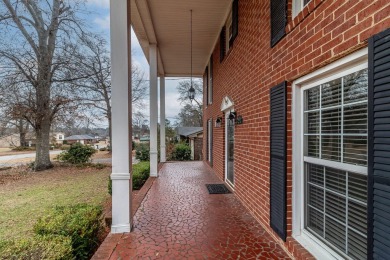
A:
[318, 249]
[308, 9]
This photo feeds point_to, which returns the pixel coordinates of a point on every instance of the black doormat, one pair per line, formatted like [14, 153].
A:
[217, 189]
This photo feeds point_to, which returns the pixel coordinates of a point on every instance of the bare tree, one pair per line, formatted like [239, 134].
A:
[97, 87]
[183, 88]
[191, 113]
[39, 43]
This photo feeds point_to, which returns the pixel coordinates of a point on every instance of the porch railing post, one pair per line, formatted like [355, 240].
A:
[121, 122]
[153, 110]
[162, 120]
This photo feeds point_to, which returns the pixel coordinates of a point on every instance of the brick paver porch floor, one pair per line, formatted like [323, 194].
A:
[178, 219]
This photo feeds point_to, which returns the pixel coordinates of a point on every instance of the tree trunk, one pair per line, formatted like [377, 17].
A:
[42, 159]
[22, 137]
[43, 119]
[110, 129]
[22, 133]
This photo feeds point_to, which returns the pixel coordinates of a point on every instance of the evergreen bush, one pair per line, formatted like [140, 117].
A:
[37, 247]
[77, 154]
[181, 152]
[142, 152]
[81, 223]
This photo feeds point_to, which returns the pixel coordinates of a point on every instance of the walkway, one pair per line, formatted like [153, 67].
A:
[178, 219]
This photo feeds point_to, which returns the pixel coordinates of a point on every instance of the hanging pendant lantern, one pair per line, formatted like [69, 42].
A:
[191, 91]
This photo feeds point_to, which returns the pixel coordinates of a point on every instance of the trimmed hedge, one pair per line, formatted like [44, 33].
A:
[37, 247]
[141, 172]
[81, 223]
[77, 154]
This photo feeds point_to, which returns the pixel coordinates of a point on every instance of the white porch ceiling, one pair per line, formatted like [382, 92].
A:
[167, 24]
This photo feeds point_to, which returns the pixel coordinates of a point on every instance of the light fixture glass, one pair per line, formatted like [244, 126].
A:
[191, 93]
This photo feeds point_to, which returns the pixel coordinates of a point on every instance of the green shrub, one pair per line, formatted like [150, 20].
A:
[142, 152]
[181, 152]
[103, 149]
[81, 223]
[77, 154]
[141, 172]
[132, 145]
[37, 247]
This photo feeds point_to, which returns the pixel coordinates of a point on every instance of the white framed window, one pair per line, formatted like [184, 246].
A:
[330, 159]
[60, 137]
[210, 140]
[298, 5]
[210, 82]
[229, 30]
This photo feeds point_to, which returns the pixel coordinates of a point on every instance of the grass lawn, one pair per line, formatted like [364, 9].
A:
[26, 196]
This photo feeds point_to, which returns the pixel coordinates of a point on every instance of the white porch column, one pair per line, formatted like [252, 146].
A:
[121, 115]
[162, 120]
[153, 110]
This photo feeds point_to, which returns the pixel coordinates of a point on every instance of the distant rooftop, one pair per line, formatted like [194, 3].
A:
[187, 131]
[79, 137]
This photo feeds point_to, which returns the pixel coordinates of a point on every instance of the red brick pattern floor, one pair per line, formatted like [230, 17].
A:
[178, 219]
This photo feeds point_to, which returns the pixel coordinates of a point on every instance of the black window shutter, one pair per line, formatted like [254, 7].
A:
[211, 141]
[207, 85]
[379, 146]
[207, 140]
[278, 159]
[278, 20]
[234, 22]
[211, 79]
[222, 44]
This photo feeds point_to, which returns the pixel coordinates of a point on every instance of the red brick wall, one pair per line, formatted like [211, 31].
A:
[198, 146]
[324, 31]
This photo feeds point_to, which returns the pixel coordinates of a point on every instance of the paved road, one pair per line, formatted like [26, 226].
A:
[5, 160]
[22, 156]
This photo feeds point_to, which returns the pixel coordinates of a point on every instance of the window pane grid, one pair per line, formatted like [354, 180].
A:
[359, 233]
[333, 107]
[334, 119]
[335, 129]
[332, 213]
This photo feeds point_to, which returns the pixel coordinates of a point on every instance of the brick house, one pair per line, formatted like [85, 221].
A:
[296, 114]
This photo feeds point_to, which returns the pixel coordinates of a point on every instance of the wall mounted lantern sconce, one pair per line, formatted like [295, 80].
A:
[218, 122]
[239, 120]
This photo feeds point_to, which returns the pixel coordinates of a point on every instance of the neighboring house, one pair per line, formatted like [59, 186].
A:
[144, 139]
[194, 137]
[301, 93]
[57, 137]
[83, 139]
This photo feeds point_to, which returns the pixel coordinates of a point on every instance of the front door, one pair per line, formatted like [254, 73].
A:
[229, 157]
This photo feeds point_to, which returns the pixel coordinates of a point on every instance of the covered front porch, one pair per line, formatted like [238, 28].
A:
[177, 39]
[179, 219]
